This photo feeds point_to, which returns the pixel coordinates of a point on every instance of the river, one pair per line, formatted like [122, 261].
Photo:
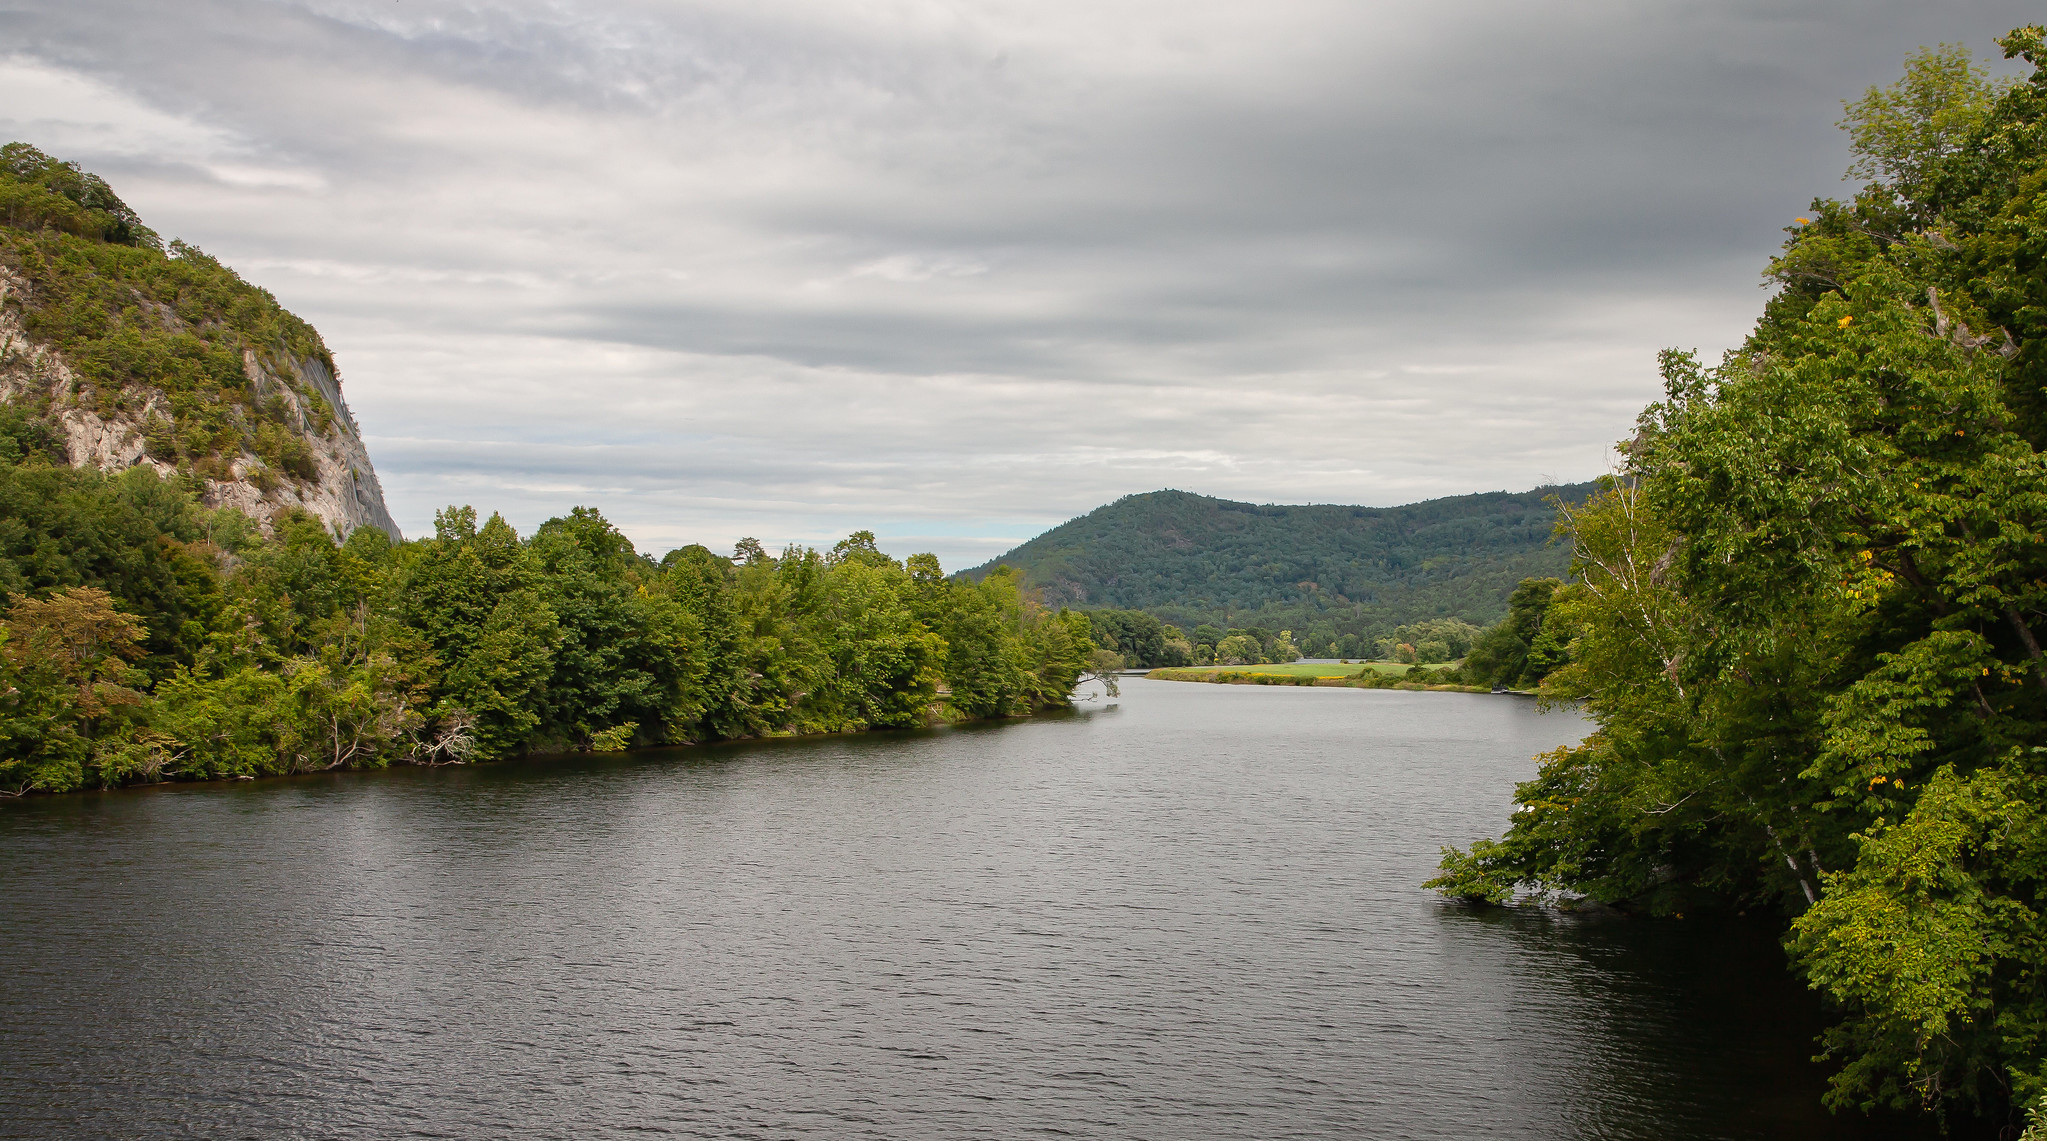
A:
[1193, 912]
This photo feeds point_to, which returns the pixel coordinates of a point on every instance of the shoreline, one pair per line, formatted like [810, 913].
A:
[934, 724]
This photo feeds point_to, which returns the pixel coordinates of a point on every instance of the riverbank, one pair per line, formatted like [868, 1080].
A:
[938, 716]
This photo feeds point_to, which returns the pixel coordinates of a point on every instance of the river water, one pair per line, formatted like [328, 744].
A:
[1193, 912]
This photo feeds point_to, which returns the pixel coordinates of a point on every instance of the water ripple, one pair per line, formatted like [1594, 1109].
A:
[1191, 915]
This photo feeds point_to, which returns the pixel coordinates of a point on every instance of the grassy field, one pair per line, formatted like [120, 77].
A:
[1312, 669]
[1396, 668]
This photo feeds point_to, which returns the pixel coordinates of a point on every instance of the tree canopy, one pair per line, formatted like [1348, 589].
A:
[1806, 616]
[148, 638]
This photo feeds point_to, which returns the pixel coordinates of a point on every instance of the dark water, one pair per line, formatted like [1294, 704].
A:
[1194, 914]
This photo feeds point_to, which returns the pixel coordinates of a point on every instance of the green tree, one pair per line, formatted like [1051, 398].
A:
[885, 663]
[703, 584]
[987, 666]
[1501, 656]
[1903, 133]
[69, 676]
[473, 593]
[1238, 650]
[1806, 617]
[625, 653]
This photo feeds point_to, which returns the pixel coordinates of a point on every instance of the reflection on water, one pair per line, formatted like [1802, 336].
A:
[1192, 913]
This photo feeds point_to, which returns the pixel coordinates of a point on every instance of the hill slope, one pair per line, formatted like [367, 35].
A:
[138, 353]
[1191, 558]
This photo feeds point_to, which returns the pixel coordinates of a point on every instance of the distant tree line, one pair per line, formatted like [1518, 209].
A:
[1148, 640]
[1141, 641]
[1517, 652]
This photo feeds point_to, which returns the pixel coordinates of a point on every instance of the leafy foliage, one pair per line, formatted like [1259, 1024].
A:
[1806, 616]
[1904, 133]
[1139, 640]
[147, 638]
[1525, 646]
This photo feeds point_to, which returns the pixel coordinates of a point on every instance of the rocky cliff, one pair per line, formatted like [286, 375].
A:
[142, 354]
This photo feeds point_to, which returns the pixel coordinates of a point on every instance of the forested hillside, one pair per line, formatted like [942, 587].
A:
[1808, 621]
[1324, 572]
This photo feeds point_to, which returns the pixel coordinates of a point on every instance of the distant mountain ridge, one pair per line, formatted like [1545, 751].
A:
[1195, 558]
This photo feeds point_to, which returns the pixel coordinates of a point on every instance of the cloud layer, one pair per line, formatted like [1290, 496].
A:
[956, 272]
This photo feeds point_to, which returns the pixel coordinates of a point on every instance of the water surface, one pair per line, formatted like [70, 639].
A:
[1193, 913]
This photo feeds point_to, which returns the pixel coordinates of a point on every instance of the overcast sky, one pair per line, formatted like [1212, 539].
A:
[956, 272]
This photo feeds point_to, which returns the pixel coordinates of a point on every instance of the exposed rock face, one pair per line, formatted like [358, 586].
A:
[344, 493]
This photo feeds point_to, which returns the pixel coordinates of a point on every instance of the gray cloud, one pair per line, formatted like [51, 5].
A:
[959, 272]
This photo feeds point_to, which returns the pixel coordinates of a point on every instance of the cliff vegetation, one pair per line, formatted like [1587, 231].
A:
[143, 352]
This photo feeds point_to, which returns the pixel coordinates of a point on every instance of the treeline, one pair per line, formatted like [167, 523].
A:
[1807, 618]
[147, 638]
[1141, 641]
[1518, 652]
[1370, 631]
[1145, 642]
